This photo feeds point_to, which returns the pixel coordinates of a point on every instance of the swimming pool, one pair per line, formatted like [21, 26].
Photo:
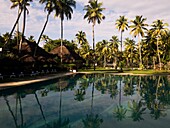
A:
[89, 101]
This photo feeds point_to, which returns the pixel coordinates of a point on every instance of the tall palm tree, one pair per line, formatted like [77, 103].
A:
[25, 3]
[115, 49]
[16, 3]
[158, 30]
[138, 29]
[129, 48]
[63, 8]
[122, 24]
[93, 15]
[49, 8]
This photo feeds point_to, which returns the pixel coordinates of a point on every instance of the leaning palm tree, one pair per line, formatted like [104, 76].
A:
[121, 25]
[93, 15]
[64, 8]
[158, 30]
[16, 3]
[138, 28]
[49, 9]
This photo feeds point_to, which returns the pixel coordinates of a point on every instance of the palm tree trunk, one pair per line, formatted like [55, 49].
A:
[16, 22]
[41, 34]
[158, 55]
[104, 61]
[121, 51]
[140, 54]
[18, 30]
[61, 50]
[94, 57]
[23, 30]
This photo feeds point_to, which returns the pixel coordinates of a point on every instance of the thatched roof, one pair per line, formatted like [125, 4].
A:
[27, 58]
[68, 54]
[27, 53]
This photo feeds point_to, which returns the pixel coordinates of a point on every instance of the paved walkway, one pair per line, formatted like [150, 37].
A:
[33, 80]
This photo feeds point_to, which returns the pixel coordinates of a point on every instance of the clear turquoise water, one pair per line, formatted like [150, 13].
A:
[89, 101]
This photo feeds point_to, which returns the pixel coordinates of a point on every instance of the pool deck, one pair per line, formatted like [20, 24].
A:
[32, 80]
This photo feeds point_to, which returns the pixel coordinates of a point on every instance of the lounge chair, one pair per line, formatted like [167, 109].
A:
[21, 74]
[12, 75]
[1, 76]
[33, 73]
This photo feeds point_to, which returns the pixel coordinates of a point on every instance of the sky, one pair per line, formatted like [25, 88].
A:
[150, 9]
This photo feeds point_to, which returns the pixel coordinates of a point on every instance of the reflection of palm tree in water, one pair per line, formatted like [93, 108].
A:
[14, 116]
[157, 107]
[120, 111]
[36, 97]
[66, 121]
[92, 120]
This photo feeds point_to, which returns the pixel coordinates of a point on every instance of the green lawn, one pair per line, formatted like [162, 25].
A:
[148, 71]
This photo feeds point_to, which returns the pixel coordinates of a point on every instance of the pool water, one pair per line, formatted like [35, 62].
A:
[89, 101]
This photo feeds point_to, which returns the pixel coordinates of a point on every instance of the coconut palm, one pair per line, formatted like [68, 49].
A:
[93, 15]
[16, 3]
[81, 37]
[49, 8]
[63, 8]
[25, 3]
[122, 25]
[129, 48]
[158, 30]
[138, 29]
[115, 49]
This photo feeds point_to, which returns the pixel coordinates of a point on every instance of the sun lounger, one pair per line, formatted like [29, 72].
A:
[12, 75]
[1, 76]
[21, 74]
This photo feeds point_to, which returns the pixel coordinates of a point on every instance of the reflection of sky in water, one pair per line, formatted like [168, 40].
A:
[68, 101]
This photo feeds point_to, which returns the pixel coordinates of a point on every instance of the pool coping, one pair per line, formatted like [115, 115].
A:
[26, 82]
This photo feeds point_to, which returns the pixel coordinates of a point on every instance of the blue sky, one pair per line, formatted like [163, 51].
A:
[150, 9]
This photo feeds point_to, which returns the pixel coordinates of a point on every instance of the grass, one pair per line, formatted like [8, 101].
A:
[107, 70]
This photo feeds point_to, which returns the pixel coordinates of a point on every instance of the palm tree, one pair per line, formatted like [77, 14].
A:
[25, 3]
[16, 3]
[115, 49]
[138, 28]
[64, 8]
[129, 48]
[49, 8]
[93, 15]
[158, 30]
[81, 38]
[122, 24]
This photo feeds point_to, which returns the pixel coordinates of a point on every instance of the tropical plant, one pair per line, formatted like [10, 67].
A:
[49, 8]
[158, 31]
[129, 50]
[138, 29]
[93, 15]
[114, 43]
[121, 25]
[25, 3]
[81, 38]
[64, 8]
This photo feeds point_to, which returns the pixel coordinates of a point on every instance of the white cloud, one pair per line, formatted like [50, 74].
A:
[151, 9]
